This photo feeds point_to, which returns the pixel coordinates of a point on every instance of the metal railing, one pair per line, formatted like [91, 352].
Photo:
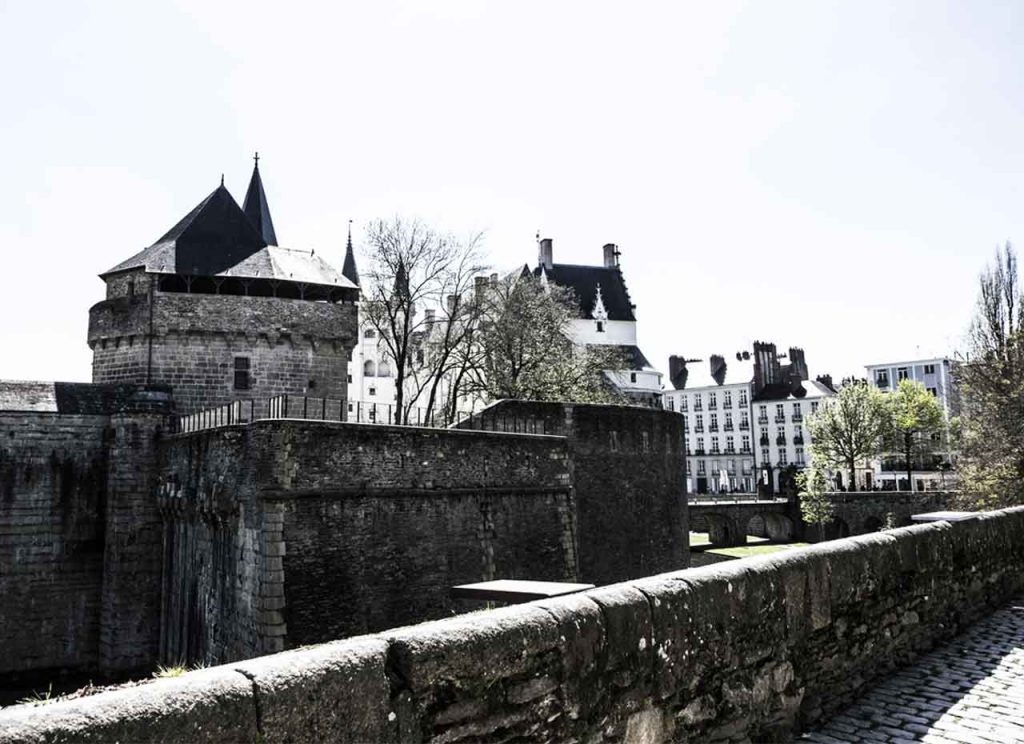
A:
[304, 407]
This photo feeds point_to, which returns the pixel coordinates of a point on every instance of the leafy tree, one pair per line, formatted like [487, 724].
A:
[990, 377]
[524, 349]
[815, 506]
[916, 417]
[849, 428]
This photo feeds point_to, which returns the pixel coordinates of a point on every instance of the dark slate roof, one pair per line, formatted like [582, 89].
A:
[349, 270]
[584, 280]
[81, 398]
[634, 357]
[256, 208]
[217, 239]
[213, 237]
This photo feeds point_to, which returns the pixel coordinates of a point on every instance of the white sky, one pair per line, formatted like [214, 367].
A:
[828, 175]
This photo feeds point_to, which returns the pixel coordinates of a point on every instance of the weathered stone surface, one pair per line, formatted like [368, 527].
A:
[210, 705]
[711, 654]
[294, 347]
[336, 692]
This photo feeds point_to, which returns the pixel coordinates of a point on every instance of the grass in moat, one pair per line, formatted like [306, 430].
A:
[745, 551]
[702, 538]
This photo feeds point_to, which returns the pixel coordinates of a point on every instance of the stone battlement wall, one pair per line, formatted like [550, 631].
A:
[628, 469]
[53, 482]
[758, 648]
[282, 533]
[296, 347]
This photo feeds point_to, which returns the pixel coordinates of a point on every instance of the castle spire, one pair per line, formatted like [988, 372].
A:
[349, 269]
[256, 207]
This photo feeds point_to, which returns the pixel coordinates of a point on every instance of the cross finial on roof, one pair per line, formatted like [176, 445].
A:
[350, 233]
[221, 179]
[256, 159]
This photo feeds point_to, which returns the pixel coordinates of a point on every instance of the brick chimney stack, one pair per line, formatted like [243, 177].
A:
[546, 257]
[718, 368]
[611, 256]
[677, 372]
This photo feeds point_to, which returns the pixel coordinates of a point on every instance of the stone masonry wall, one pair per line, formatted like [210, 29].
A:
[752, 650]
[628, 473]
[53, 472]
[282, 533]
[294, 346]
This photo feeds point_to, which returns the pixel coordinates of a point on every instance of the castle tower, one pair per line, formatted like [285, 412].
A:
[216, 309]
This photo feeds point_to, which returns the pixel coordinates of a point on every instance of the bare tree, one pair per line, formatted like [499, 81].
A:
[414, 269]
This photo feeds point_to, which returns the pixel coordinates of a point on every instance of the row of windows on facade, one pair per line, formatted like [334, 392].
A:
[903, 373]
[745, 447]
[698, 401]
[373, 369]
[780, 417]
[747, 466]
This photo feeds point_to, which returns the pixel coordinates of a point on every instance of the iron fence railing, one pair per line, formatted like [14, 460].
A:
[353, 412]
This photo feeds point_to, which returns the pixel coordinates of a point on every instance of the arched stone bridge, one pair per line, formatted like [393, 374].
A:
[729, 520]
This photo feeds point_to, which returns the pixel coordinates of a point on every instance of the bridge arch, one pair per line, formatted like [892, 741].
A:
[723, 532]
[779, 527]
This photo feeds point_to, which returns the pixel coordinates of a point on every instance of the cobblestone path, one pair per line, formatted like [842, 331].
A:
[970, 691]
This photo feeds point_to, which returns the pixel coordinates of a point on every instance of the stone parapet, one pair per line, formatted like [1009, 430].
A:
[757, 649]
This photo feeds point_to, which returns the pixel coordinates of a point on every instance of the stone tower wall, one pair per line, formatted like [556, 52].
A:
[53, 472]
[293, 346]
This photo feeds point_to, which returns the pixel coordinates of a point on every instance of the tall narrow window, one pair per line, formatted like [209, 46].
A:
[241, 373]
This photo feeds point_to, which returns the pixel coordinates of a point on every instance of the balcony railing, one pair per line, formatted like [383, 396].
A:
[743, 404]
[762, 419]
[699, 428]
[744, 426]
[745, 449]
[798, 417]
[699, 452]
[798, 440]
[781, 441]
[728, 427]
[697, 406]
[765, 440]
[780, 419]
[712, 427]
[730, 450]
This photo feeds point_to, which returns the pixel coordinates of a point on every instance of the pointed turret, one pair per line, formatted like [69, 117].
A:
[349, 270]
[256, 207]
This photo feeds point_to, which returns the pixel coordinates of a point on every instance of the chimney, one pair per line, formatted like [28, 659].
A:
[766, 366]
[826, 380]
[546, 257]
[611, 255]
[797, 363]
[450, 300]
[677, 372]
[718, 368]
[480, 284]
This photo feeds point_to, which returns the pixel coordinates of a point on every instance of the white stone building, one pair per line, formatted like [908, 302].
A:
[607, 317]
[745, 428]
[936, 374]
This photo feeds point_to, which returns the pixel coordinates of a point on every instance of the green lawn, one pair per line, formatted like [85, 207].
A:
[745, 551]
[702, 538]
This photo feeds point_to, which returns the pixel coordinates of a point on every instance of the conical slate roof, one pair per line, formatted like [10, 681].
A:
[217, 239]
[349, 270]
[256, 208]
